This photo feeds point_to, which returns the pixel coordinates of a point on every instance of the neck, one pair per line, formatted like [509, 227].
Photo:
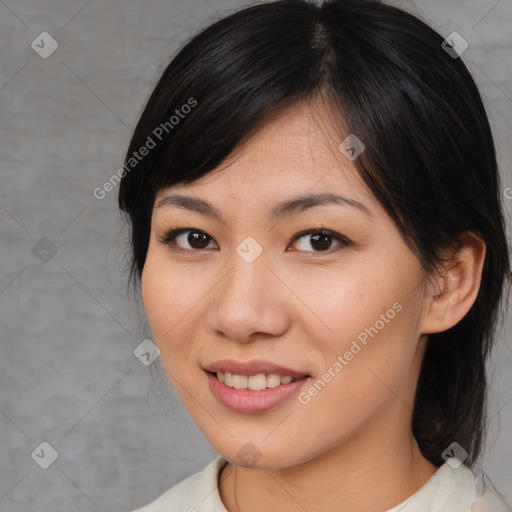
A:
[375, 471]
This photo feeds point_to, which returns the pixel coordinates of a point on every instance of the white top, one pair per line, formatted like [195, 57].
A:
[449, 490]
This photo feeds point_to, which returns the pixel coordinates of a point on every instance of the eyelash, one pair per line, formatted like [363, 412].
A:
[169, 236]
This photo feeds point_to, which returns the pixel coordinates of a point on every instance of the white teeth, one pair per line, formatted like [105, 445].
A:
[273, 380]
[240, 381]
[257, 382]
[253, 382]
[228, 379]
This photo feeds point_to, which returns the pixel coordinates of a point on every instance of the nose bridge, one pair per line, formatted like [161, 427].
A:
[243, 302]
[248, 268]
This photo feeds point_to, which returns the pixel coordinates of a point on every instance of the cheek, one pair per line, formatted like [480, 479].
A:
[165, 292]
[171, 297]
[368, 317]
[153, 294]
[347, 301]
[162, 301]
[373, 352]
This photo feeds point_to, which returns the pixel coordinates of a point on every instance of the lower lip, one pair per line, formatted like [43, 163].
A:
[251, 402]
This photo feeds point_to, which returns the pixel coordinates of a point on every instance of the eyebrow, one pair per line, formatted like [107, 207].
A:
[279, 211]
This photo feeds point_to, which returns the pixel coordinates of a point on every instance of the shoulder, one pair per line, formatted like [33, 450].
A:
[489, 502]
[197, 493]
[487, 498]
[456, 488]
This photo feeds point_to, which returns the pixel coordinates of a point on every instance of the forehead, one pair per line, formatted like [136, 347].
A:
[295, 150]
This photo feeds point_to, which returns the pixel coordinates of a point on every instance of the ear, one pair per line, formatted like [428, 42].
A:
[451, 294]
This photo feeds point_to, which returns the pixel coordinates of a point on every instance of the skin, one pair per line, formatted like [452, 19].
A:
[352, 443]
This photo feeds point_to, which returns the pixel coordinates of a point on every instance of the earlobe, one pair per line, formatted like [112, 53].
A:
[456, 286]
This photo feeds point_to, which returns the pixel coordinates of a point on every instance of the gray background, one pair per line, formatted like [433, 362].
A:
[68, 329]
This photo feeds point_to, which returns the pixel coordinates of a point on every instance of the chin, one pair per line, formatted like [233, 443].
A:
[255, 455]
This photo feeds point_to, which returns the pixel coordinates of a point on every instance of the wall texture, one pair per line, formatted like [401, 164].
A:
[68, 330]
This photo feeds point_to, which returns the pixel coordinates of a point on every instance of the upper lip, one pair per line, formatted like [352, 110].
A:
[253, 367]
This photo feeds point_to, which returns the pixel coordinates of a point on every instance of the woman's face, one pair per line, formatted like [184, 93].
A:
[257, 295]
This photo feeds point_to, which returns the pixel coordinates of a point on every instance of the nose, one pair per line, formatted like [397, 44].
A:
[248, 302]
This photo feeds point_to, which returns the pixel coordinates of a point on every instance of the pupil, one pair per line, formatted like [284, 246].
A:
[324, 245]
[195, 237]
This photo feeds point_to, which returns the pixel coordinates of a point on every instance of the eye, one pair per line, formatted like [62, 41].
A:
[320, 239]
[196, 238]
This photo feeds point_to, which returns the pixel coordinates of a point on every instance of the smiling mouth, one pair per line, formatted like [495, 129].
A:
[255, 382]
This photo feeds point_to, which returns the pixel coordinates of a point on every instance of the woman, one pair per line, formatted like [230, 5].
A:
[317, 233]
